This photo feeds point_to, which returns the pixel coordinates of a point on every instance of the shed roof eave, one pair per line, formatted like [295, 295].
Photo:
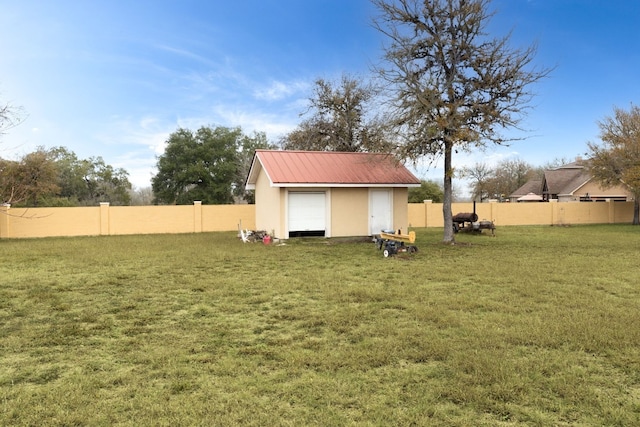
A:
[254, 171]
[340, 185]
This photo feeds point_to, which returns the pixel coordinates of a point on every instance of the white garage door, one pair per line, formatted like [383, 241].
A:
[306, 212]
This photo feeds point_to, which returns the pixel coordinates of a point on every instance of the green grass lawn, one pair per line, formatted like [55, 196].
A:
[538, 326]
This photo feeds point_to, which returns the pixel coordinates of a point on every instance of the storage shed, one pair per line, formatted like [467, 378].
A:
[330, 194]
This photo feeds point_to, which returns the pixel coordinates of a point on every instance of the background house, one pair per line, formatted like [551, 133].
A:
[531, 191]
[569, 183]
[331, 194]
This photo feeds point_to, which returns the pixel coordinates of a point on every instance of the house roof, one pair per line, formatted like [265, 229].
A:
[534, 186]
[329, 168]
[566, 179]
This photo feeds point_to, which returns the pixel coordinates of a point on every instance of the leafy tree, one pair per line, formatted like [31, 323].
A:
[106, 183]
[452, 86]
[208, 165]
[57, 177]
[87, 182]
[11, 189]
[617, 160]
[247, 147]
[428, 190]
[72, 173]
[38, 174]
[27, 181]
[340, 119]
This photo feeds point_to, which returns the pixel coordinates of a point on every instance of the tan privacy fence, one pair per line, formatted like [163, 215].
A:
[553, 213]
[118, 220]
[198, 218]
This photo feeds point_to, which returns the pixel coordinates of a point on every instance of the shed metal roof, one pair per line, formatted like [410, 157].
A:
[329, 168]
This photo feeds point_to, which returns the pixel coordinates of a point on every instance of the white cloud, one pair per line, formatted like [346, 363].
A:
[256, 121]
[278, 90]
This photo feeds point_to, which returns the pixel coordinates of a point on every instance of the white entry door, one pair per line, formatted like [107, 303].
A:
[306, 212]
[380, 211]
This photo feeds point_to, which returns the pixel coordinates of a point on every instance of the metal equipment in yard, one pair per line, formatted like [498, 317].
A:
[393, 243]
[468, 221]
[250, 236]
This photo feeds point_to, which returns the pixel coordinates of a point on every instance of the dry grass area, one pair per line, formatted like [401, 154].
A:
[538, 326]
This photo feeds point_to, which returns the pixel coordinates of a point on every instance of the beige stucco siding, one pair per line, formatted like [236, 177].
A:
[400, 209]
[593, 188]
[282, 232]
[268, 207]
[349, 211]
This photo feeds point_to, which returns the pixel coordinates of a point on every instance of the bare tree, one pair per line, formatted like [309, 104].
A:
[452, 86]
[500, 181]
[617, 160]
[509, 175]
[340, 119]
[10, 117]
[142, 196]
[480, 175]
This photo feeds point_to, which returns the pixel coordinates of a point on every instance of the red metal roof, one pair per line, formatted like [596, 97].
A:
[300, 168]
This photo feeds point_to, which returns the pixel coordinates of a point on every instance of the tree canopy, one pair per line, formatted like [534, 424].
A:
[56, 177]
[209, 165]
[428, 190]
[452, 87]
[341, 117]
[616, 160]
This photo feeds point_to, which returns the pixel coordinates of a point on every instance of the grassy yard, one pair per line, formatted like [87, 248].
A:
[538, 326]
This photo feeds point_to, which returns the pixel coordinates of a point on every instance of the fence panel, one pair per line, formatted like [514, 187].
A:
[49, 222]
[227, 217]
[151, 219]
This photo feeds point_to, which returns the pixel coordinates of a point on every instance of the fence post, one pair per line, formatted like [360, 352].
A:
[104, 218]
[4, 221]
[197, 216]
[553, 203]
[612, 211]
[493, 205]
[427, 205]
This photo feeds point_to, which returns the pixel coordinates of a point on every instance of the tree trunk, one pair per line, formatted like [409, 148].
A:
[449, 236]
[636, 210]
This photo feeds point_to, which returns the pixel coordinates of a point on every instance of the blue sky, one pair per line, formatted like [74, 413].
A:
[115, 78]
